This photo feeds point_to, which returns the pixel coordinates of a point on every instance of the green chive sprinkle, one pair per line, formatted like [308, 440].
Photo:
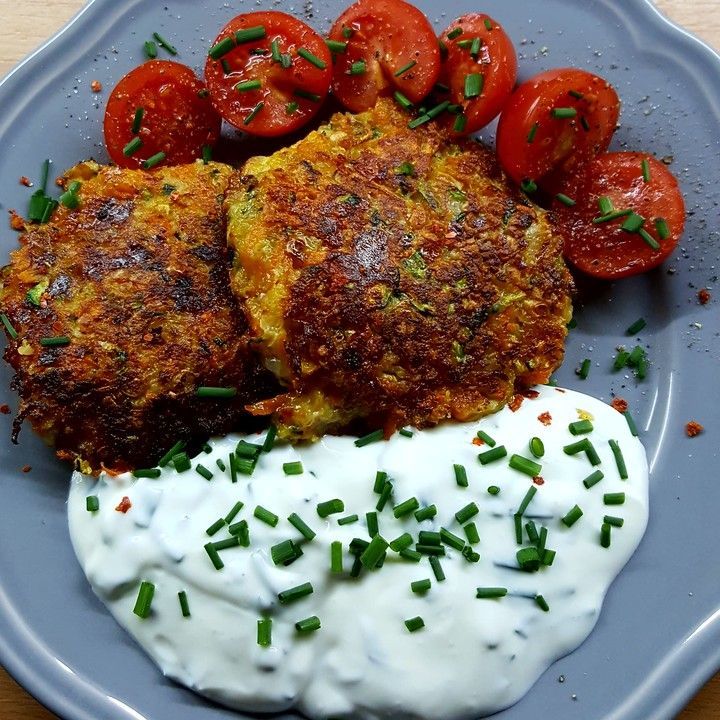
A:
[585, 446]
[460, 123]
[451, 539]
[58, 341]
[645, 166]
[525, 465]
[429, 537]
[384, 496]
[253, 113]
[466, 513]
[474, 85]
[420, 586]
[414, 624]
[330, 507]
[222, 48]
[580, 427]
[475, 47]
[247, 85]
[537, 447]
[614, 521]
[663, 230]
[236, 508]
[295, 593]
[137, 120]
[144, 600]
[380, 480]
[517, 521]
[299, 524]
[401, 100]
[460, 475]
[410, 554]
[264, 632]
[633, 223]
[181, 462]
[426, 513]
[548, 557]
[232, 462]
[455, 32]
[257, 32]
[470, 555]
[405, 68]
[336, 557]
[348, 520]
[132, 147]
[619, 459]
[532, 532]
[206, 154]
[635, 356]
[430, 549]
[406, 507]
[584, 370]
[163, 43]
[371, 520]
[564, 113]
[542, 540]
[358, 67]
[216, 527]
[605, 205]
[170, 454]
[308, 624]
[152, 473]
[565, 200]
[528, 186]
[404, 431]
[572, 516]
[486, 438]
[533, 132]
[269, 441]
[293, 468]
[401, 543]
[471, 533]
[241, 531]
[153, 160]
[631, 423]
[372, 437]
[92, 503]
[487, 593]
[636, 327]
[648, 239]
[311, 58]
[264, 515]
[615, 215]
[529, 495]
[528, 559]
[221, 464]
[593, 479]
[150, 50]
[336, 46]
[621, 360]
[418, 121]
[493, 490]
[374, 551]
[205, 391]
[436, 568]
[405, 168]
[312, 97]
[438, 109]
[184, 605]
[605, 535]
[542, 603]
[11, 331]
[488, 24]
[285, 552]
[230, 542]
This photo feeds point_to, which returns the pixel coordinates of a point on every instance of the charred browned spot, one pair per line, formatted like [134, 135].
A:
[619, 404]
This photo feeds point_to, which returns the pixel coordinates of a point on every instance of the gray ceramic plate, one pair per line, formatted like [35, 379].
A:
[658, 638]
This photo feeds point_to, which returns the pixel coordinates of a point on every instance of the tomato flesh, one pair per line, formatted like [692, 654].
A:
[267, 86]
[394, 45]
[178, 118]
[554, 123]
[493, 57]
[604, 249]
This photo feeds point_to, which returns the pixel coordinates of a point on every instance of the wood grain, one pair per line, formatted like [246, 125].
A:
[28, 23]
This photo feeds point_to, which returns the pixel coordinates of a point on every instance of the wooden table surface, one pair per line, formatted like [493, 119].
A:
[27, 23]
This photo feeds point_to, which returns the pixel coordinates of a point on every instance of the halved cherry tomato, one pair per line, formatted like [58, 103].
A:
[478, 46]
[167, 107]
[626, 181]
[391, 46]
[554, 123]
[268, 73]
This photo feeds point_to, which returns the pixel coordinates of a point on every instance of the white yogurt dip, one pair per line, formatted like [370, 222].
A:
[473, 656]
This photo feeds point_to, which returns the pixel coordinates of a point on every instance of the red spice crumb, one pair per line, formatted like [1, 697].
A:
[693, 428]
[26, 468]
[545, 418]
[24, 180]
[704, 296]
[516, 402]
[478, 441]
[619, 404]
[531, 394]
[5, 409]
[60, 182]
[538, 480]
[96, 86]
[16, 221]
[124, 505]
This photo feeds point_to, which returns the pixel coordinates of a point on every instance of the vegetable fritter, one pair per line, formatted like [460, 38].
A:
[134, 283]
[393, 276]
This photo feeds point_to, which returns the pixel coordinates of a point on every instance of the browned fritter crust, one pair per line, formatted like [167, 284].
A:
[394, 275]
[137, 278]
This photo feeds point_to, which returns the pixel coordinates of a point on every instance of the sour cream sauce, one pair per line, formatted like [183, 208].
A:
[472, 657]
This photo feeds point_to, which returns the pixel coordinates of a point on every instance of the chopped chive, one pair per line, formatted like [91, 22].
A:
[488, 24]
[291, 108]
[144, 600]
[247, 450]
[405, 68]
[548, 557]
[236, 508]
[275, 51]
[460, 123]
[451, 539]
[264, 632]
[299, 524]
[528, 559]
[264, 515]
[426, 513]
[648, 239]
[232, 463]
[429, 549]
[150, 50]
[230, 542]
[455, 32]
[593, 479]
[153, 160]
[466, 513]
[434, 561]
[132, 147]
[247, 85]
[542, 540]
[532, 532]
[308, 625]
[486, 438]
[241, 530]
[470, 555]
[285, 552]
[636, 327]
[533, 132]
[528, 186]
[471, 533]
[491, 455]
[487, 593]
[285, 61]
[406, 507]
[336, 46]
[537, 447]
[616, 215]
[215, 392]
[295, 593]
[257, 32]
[564, 113]
[633, 223]
[170, 454]
[580, 427]
[572, 516]
[493, 490]
[401, 100]
[374, 551]
[475, 47]
[631, 423]
[57, 341]
[356, 568]
[348, 520]
[330, 507]
[605, 535]
[410, 554]
[372, 437]
[371, 520]
[565, 200]
[137, 120]
[576, 94]
[404, 431]
[619, 459]
[222, 48]
[380, 480]
[293, 468]
[184, 605]
[253, 113]
[152, 473]
[418, 121]
[621, 360]
[219, 462]
[473, 85]
[525, 465]
[415, 624]
[312, 97]
[429, 537]
[92, 503]
[181, 462]
[635, 356]
[663, 230]
[311, 58]
[11, 331]
[542, 603]
[206, 154]
[605, 205]
[400, 543]
[405, 168]
[438, 109]
[421, 586]
[269, 441]
[614, 521]
[163, 43]
[645, 166]
[384, 496]
[347, 32]
[214, 556]
[218, 525]
[517, 522]
[585, 446]
[529, 495]
[460, 475]
[336, 557]
[358, 546]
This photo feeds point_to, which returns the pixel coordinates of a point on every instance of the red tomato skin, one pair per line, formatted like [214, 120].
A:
[559, 146]
[605, 250]
[496, 61]
[278, 83]
[387, 35]
[178, 117]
